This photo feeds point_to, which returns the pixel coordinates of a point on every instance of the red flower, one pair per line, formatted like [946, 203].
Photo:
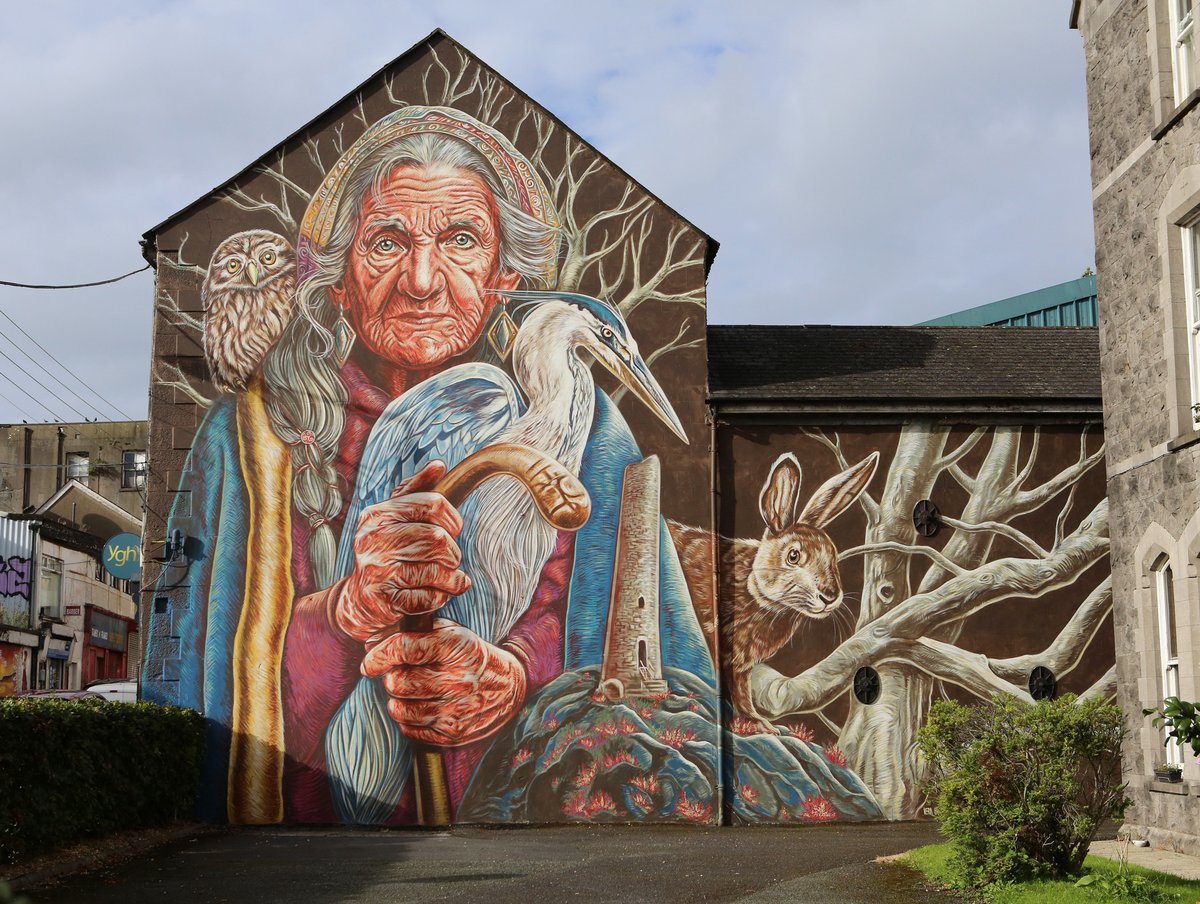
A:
[676, 737]
[521, 757]
[648, 783]
[835, 756]
[600, 802]
[749, 794]
[801, 732]
[642, 799]
[696, 811]
[818, 809]
[611, 760]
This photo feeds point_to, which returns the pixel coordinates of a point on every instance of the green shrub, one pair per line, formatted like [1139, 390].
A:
[73, 768]
[1021, 789]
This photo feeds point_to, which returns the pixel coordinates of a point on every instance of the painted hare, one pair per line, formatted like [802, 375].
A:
[769, 586]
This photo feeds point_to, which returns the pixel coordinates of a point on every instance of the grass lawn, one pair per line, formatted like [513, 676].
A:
[934, 862]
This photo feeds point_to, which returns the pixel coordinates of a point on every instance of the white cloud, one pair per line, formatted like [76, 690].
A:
[859, 161]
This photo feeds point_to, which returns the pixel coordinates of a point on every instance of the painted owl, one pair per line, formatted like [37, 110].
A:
[248, 296]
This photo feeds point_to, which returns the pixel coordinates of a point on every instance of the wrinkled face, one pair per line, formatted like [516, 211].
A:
[425, 254]
[797, 569]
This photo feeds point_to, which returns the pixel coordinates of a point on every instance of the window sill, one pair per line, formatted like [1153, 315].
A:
[1183, 441]
[1180, 788]
[1175, 115]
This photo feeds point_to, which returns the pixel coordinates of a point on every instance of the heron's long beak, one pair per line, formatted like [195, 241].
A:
[252, 272]
[637, 378]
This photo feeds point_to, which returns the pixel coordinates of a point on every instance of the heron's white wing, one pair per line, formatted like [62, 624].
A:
[447, 417]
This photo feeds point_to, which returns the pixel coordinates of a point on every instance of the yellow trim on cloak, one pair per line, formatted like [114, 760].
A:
[256, 754]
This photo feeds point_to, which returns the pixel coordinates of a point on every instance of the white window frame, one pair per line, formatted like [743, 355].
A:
[79, 466]
[1189, 240]
[133, 469]
[50, 582]
[1168, 645]
[1183, 47]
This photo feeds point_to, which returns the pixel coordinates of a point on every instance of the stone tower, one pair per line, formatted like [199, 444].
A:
[632, 651]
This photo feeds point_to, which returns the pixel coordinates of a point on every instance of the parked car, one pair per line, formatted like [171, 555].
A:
[61, 695]
[123, 691]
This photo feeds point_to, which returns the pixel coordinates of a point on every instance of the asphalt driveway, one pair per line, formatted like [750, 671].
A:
[596, 864]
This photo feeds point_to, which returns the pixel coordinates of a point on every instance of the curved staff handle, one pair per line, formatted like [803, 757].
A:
[562, 500]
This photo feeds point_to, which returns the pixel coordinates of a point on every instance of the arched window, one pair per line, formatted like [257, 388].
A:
[1168, 643]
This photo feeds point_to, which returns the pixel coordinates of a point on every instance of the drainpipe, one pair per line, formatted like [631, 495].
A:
[35, 559]
[62, 457]
[26, 492]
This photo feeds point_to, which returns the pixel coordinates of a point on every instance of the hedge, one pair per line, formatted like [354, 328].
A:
[73, 768]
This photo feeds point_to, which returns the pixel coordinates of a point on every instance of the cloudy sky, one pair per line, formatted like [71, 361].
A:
[860, 161]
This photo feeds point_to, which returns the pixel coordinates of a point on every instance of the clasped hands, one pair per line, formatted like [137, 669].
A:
[447, 686]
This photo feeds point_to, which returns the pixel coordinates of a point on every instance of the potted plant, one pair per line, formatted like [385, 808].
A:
[1168, 772]
[1182, 720]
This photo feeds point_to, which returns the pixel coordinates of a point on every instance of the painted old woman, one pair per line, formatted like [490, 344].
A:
[399, 259]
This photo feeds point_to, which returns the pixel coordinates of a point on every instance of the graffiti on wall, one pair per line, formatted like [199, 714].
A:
[16, 570]
[12, 670]
[964, 562]
[412, 619]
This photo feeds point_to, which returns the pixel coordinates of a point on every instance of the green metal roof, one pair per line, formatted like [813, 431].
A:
[1067, 304]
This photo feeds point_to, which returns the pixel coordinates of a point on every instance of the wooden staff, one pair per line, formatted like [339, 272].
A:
[563, 501]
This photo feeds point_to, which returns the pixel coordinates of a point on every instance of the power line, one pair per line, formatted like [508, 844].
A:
[66, 369]
[82, 285]
[52, 413]
[43, 386]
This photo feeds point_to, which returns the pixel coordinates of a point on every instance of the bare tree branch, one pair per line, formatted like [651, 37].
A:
[893, 546]
[243, 201]
[1066, 650]
[176, 316]
[1105, 687]
[998, 527]
[1060, 522]
[964, 447]
[952, 665]
[176, 379]
[179, 263]
[1020, 479]
[962, 478]
[1030, 500]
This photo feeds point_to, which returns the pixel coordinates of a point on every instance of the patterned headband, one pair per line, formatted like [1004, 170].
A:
[523, 187]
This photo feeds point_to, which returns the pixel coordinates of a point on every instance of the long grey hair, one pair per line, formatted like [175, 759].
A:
[305, 391]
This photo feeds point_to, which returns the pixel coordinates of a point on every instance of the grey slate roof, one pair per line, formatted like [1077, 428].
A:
[941, 363]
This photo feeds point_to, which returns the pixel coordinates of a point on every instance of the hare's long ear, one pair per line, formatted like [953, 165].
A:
[781, 493]
[836, 494]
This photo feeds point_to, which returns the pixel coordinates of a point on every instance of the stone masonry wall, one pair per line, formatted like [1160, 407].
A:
[1147, 483]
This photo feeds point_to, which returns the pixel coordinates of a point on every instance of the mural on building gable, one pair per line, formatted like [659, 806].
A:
[380, 629]
[434, 566]
[972, 563]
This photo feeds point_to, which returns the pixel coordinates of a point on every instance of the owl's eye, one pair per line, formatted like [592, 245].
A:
[233, 265]
[793, 556]
[268, 257]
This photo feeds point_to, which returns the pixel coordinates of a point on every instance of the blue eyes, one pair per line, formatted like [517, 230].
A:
[387, 245]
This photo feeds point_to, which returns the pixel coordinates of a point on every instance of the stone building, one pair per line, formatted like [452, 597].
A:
[1144, 128]
[108, 457]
